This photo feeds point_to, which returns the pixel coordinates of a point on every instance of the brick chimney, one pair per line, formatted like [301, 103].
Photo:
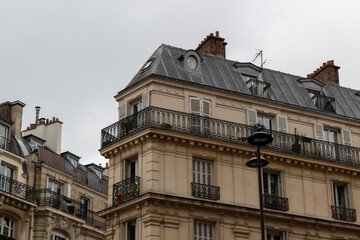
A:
[327, 73]
[212, 45]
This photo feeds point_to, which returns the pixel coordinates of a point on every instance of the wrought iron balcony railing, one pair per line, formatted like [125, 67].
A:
[126, 190]
[324, 103]
[205, 191]
[160, 118]
[7, 144]
[345, 214]
[259, 88]
[276, 203]
[2, 237]
[16, 188]
[46, 197]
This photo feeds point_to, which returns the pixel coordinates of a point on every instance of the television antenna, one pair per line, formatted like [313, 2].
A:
[259, 54]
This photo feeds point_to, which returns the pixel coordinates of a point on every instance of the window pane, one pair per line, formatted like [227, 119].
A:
[266, 184]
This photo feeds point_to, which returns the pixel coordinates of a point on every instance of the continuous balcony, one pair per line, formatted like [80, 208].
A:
[211, 128]
[205, 191]
[342, 213]
[17, 189]
[126, 190]
[47, 197]
[276, 203]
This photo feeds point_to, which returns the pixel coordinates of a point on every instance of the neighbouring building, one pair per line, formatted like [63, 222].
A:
[45, 193]
[177, 154]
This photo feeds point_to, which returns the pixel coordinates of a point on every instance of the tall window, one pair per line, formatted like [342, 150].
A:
[331, 136]
[272, 184]
[7, 227]
[84, 206]
[53, 186]
[130, 230]
[3, 136]
[6, 177]
[131, 169]
[341, 194]
[266, 121]
[200, 108]
[203, 231]
[202, 171]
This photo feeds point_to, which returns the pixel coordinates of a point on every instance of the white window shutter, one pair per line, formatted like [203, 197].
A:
[251, 117]
[282, 124]
[346, 136]
[195, 106]
[319, 131]
[145, 99]
[206, 110]
[67, 190]
[122, 111]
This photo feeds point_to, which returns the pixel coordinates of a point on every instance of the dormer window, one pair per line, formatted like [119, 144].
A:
[73, 162]
[147, 65]
[191, 61]
[258, 87]
[4, 131]
[73, 159]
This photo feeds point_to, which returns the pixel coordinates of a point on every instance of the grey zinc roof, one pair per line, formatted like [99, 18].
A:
[220, 73]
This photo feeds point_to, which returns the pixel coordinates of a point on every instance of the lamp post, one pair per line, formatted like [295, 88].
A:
[258, 139]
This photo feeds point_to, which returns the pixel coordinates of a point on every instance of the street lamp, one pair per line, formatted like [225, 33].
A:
[258, 139]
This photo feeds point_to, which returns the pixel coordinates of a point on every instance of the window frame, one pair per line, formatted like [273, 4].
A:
[11, 227]
[280, 182]
[133, 222]
[335, 194]
[127, 168]
[199, 175]
[198, 224]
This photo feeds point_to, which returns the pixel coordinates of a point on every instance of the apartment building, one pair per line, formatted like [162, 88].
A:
[46, 193]
[177, 155]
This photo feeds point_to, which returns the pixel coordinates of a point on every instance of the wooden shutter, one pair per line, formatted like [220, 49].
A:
[145, 99]
[347, 196]
[333, 192]
[346, 136]
[206, 108]
[251, 117]
[122, 111]
[67, 190]
[281, 185]
[319, 131]
[195, 106]
[282, 123]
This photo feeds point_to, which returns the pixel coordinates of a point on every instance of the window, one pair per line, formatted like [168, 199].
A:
[131, 169]
[275, 235]
[3, 136]
[201, 109]
[7, 227]
[130, 230]
[58, 236]
[202, 171]
[331, 136]
[53, 186]
[84, 206]
[272, 184]
[6, 177]
[341, 194]
[258, 87]
[266, 121]
[73, 162]
[203, 231]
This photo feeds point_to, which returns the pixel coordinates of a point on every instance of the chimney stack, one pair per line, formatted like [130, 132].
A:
[213, 45]
[37, 109]
[327, 73]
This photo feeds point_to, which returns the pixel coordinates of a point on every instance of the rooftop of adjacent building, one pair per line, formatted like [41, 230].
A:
[209, 68]
[34, 141]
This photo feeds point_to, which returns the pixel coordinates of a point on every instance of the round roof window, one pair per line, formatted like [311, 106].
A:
[192, 62]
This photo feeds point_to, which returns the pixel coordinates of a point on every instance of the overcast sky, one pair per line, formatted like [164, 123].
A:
[72, 56]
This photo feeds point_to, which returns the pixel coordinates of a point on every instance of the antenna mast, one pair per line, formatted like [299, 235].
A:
[259, 54]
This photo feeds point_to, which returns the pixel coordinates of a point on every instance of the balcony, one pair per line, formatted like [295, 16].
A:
[47, 197]
[2, 237]
[180, 122]
[259, 88]
[276, 203]
[17, 189]
[345, 214]
[324, 103]
[205, 191]
[126, 190]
